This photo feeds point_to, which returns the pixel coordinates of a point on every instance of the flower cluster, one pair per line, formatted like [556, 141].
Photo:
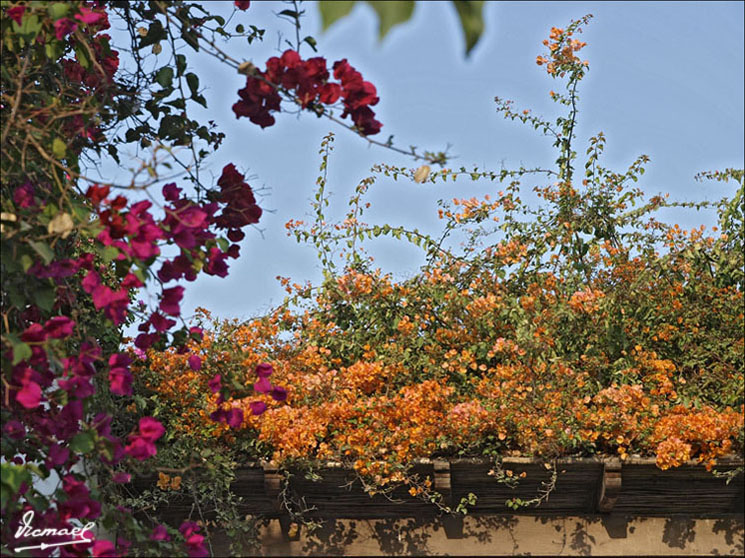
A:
[136, 236]
[211, 404]
[705, 433]
[562, 49]
[79, 255]
[587, 301]
[468, 357]
[142, 444]
[307, 83]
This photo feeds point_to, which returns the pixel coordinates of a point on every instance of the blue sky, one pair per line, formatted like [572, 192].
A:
[666, 80]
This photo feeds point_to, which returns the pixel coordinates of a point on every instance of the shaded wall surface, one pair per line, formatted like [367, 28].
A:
[513, 536]
[596, 507]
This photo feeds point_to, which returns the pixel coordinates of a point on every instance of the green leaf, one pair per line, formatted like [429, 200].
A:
[191, 38]
[164, 76]
[331, 10]
[59, 149]
[12, 477]
[30, 25]
[140, 275]
[391, 14]
[21, 351]
[311, 42]
[177, 103]
[82, 443]
[108, 253]
[26, 262]
[180, 64]
[44, 298]
[58, 10]
[43, 249]
[82, 56]
[193, 82]
[131, 135]
[155, 34]
[471, 14]
[54, 49]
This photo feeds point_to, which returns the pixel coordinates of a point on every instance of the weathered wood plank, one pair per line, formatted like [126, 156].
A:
[645, 491]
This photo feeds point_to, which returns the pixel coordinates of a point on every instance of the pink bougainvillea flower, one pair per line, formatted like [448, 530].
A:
[151, 429]
[234, 251]
[23, 196]
[242, 4]
[194, 541]
[263, 370]
[15, 429]
[195, 363]
[171, 192]
[58, 269]
[216, 263]
[29, 395]
[120, 381]
[146, 340]
[63, 27]
[103, 549]
[215, 383]
[262, 386]
[257, 407]
[59, 327]
[143, 245]
[142, 444]
[81, 387]
[329, 93]
[140, 449]
[97, 194]
[160, 533]
[160, 322]
[131, 281]
[188, 527]
[16, 13]
[34, 334]
[120, 378]
[87, 15]
[169, 302]
[114, 303]
[78, 503]
[57, 456]
[121, 477]
[120, 359]
[278, 393]
[234, 418]
[235, 235]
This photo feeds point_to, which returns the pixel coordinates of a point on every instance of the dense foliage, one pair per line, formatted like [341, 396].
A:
[577, 325]
[76, 250]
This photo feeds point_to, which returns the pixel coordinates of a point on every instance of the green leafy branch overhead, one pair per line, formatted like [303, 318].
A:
[470, 14]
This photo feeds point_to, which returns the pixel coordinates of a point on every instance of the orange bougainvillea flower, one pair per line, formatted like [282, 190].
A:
[578, 327]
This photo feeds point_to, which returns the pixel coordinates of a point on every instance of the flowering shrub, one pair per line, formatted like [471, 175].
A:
[581, 326]
[77, 251]
[308, 81]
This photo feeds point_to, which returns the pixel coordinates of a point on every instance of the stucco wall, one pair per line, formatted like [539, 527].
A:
[514, 536]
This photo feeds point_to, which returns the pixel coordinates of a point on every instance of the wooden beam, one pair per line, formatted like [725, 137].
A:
[610, 487]
[452, 522]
